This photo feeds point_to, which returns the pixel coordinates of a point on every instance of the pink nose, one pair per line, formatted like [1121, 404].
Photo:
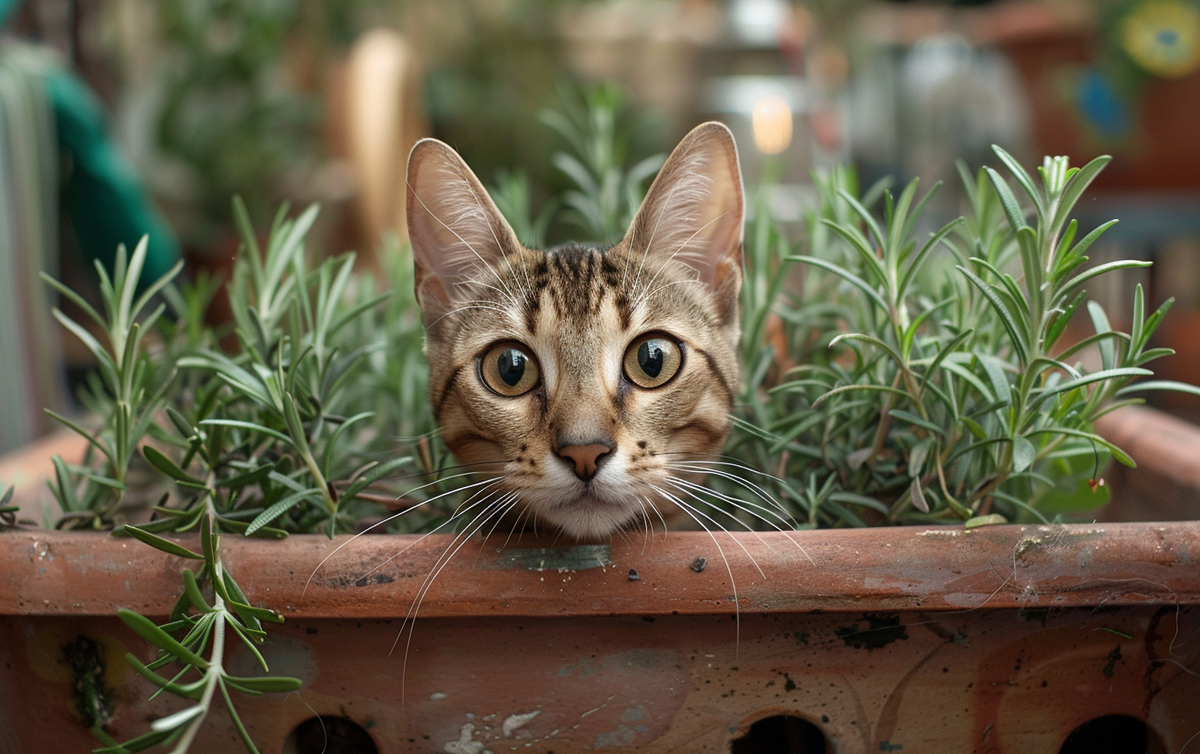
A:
[586, 458]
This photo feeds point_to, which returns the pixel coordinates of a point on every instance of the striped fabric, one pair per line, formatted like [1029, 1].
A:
[31, 374]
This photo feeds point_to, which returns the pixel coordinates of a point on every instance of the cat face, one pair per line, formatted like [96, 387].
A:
[583, 378]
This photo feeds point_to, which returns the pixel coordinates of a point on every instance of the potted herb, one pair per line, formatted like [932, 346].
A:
[892, 376]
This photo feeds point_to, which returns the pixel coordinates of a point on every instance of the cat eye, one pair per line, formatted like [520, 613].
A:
[509, 369]
[652, 360]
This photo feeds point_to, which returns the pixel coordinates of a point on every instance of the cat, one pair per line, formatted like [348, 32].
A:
[590, 386]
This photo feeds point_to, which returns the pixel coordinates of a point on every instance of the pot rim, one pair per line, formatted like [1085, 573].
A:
[884, 569]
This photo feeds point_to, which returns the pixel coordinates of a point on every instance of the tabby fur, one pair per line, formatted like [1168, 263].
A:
[577, 309]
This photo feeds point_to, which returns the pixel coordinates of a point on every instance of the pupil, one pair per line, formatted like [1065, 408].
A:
[650, 357]
[511, 366]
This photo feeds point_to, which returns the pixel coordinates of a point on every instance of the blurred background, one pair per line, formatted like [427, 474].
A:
[121, 117]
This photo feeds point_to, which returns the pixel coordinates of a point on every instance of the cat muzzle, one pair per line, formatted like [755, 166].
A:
[585, 459]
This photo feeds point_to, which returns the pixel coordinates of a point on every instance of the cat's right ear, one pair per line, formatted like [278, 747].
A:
[459, 238]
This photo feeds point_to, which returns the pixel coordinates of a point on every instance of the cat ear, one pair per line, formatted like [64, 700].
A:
[459, 238]
[694, 211]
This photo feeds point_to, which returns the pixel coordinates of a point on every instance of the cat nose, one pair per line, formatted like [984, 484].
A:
[585, 458]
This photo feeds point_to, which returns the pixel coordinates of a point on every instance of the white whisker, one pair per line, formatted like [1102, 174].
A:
[396, 515]
[737, 608]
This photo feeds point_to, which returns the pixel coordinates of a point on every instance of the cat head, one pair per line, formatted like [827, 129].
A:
[583, 378]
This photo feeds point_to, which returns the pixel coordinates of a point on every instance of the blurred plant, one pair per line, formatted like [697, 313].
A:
[606, 194]
[228, 112]
[513, 198]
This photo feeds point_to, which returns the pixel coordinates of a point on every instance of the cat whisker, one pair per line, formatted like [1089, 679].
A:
[387, 520]
[756, 489]
[451, 520]
[739, 504]
[774, 509]
[751, 508]
[497, 508]
[466, 308]
[729, 570]
[690, 509]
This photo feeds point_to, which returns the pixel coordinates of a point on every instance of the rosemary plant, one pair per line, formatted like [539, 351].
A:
[297, 432]
[889, 376]
[917, 379]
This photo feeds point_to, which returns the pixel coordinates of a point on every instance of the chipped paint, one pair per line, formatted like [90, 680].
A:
[516, 721]
[438, 696]
[466, 743]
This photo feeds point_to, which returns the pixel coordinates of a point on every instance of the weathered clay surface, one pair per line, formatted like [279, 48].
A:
[897, 568]
[976, 680]
[1001, 639]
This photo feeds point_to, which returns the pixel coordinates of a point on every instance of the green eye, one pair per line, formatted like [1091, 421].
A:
[652, 360]
[509, 369]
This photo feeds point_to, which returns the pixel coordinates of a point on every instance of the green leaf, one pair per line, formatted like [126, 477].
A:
[851, 388]
[993, 519]
[918, 497]
[141, 743]
[265, 684]
[331, 443]
[379, 472]
[916, 420]
[168, 467]
[1087, 379]
[846, 275]
[1179, 387]
[997, 376]
[1100, 269]
[1023, 454]
[250, 426]
[179, 719]
[159, 543]
[187, 692]
[237, 720]
[66, 486]
[247, 478]
[1019, 173]
[281, 507]
[1009, 202]
[1006, 317]
[192, 590]
[146, 628]
[1076, 185]
[1117, 453]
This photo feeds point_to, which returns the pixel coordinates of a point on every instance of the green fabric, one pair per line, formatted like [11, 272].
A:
[46, 112]
[103, 195]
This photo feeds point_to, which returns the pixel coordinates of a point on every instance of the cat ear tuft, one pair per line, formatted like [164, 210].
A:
[459, 238]
[694, 211]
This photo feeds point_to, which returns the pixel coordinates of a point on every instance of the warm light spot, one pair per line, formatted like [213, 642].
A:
[772, 120]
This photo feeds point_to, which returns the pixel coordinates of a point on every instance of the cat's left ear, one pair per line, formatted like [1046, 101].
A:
[694, 212]
[459, 238]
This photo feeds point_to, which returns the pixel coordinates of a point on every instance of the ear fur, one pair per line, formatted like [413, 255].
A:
[694, 211]
[458, 237]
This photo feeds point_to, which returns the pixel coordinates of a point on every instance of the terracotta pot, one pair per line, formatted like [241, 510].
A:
[998, 639]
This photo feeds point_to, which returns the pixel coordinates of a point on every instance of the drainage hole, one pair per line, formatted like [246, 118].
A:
[329, 735]
[781, 734]
[1117, 734]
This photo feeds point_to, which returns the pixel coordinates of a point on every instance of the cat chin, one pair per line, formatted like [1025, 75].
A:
[589, 518]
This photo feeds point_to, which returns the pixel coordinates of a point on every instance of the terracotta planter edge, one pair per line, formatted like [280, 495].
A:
[883, 569]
